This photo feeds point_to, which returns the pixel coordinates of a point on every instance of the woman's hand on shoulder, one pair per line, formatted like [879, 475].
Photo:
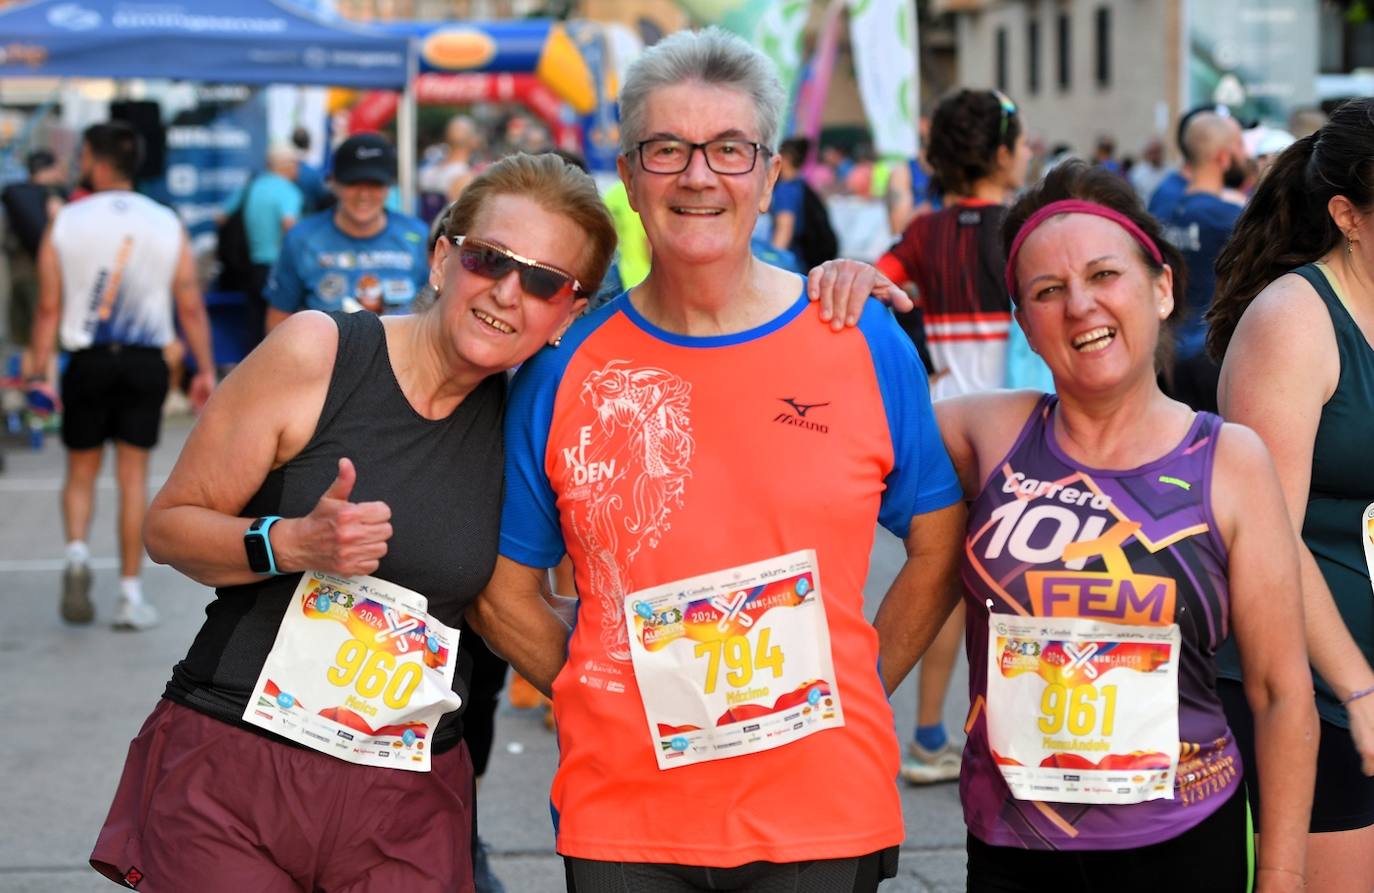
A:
[843, 287]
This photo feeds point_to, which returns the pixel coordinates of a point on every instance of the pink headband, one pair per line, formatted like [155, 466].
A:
[1075, 206]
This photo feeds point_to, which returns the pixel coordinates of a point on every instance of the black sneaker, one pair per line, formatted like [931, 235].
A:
[482, 877]
[76, 604]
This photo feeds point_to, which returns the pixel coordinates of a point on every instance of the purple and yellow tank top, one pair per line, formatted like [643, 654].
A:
[1143, 550]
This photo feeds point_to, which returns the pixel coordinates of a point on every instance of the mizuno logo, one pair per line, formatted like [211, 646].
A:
[797, 417]
[801, 409]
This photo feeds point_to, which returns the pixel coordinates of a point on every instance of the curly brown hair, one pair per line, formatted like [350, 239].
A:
[965, 133]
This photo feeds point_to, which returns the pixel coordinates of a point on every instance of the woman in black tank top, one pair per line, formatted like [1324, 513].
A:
[362, 446]
[1293, 320]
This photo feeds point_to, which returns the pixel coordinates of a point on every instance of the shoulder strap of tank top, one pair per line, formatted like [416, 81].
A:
[1316, 278]
[1207, 434]
[361, 339]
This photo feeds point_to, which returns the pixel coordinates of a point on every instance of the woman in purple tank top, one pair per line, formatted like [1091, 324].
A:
[1116, 538]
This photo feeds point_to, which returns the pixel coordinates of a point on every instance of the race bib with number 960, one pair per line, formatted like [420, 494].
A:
[359, 671]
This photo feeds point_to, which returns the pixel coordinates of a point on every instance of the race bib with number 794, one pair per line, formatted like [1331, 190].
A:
[734, 662]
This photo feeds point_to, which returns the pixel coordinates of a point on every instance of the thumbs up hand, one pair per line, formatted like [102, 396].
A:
[337, 537]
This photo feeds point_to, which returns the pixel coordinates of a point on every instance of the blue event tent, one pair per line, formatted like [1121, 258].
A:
[224, 41]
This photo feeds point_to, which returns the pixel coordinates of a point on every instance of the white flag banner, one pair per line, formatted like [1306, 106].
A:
[882, 34]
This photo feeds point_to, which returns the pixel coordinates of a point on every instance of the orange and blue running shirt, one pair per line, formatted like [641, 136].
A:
[650, 457]
[954, 256]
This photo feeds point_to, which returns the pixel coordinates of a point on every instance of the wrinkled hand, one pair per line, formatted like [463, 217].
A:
[1362, 730]
[842, 286]
[339, 537]
[201, 386]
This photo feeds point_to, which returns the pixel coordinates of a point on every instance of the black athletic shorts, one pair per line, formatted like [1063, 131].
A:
[1215, 856]
[1344, 797]
[113, 392]
[861, 874]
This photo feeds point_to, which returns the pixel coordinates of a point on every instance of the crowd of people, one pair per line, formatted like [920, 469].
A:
[1117, 415]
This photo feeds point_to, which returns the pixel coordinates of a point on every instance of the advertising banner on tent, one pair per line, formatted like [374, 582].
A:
[225, 41]
[212, 151]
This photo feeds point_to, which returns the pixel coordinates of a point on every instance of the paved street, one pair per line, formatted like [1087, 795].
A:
[73, 697]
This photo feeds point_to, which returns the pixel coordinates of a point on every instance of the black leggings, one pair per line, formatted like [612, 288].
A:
[1213, 856]
[858, 875]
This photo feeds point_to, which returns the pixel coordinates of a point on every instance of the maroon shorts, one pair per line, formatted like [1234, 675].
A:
[207, 806]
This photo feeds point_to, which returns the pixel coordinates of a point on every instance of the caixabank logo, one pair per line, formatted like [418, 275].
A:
[798, 415]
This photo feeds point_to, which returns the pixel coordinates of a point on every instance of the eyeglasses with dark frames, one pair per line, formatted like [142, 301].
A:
[1008, 110]
[730, 157]
[491, 261]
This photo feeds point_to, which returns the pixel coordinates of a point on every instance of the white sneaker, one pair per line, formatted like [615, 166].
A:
[921, 766]
[135, 616]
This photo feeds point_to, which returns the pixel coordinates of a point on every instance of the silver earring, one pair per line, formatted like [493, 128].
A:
[1349, 246]
[557, 340]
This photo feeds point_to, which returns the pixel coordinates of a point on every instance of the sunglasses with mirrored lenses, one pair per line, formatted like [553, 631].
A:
[1008, 110]
[491, 261]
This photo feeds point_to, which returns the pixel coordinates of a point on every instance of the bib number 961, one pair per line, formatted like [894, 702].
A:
[374, 673]
[734, 651]
[1078, 708]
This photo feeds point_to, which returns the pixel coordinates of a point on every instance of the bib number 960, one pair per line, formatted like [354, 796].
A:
[374, 673]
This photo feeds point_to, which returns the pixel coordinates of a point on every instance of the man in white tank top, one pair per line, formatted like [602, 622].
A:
[112, 268]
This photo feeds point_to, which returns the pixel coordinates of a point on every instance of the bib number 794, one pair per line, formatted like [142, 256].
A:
[740, 663]
[376, 673]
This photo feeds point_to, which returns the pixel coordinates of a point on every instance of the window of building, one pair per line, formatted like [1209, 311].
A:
[1065, 51]
[1002, 59]
[1033, 56]
[1103, 21]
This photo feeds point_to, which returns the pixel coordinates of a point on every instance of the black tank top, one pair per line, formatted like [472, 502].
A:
[442, 479]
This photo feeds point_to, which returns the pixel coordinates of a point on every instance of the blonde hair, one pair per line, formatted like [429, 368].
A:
[559, 188]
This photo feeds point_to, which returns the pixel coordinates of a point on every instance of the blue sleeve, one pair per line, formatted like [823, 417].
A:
[787, 196]
[530, 529]
[421, 250]
[292, 202]
[922, 478]
[284, 290]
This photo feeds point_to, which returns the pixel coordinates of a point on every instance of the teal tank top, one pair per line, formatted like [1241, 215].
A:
[1343, 484]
